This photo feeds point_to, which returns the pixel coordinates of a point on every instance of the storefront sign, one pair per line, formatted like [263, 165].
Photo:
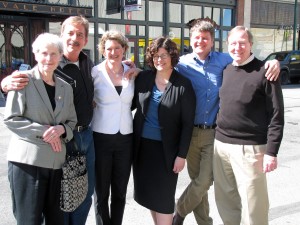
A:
[132, 5]
[22, 7]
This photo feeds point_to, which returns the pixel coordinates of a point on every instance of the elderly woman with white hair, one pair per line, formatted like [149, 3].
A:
[41, 117]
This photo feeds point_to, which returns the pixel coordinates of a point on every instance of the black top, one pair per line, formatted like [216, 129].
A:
[251, 108]
[119, 89]
[51, 94]
[83, 89]
[176, 112]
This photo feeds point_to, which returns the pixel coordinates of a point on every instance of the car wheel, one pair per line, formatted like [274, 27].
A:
[284, 77]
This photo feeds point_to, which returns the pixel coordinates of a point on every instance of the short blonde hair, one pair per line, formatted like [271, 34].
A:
[112, 35]
[241, 28]
[47, 39]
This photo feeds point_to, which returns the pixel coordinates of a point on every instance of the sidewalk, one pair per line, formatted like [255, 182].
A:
[283, 183]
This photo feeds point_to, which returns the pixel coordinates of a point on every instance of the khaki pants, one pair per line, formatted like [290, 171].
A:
[199, 164]
[240, 185]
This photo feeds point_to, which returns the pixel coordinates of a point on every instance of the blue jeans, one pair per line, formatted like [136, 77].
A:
[85, 144]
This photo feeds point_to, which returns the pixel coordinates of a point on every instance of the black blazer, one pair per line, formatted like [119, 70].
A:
[176, 114]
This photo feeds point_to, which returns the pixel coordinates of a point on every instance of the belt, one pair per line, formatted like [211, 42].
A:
[204, 127]
[81, 128]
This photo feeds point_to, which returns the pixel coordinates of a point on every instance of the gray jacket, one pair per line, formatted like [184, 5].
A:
[28, 114]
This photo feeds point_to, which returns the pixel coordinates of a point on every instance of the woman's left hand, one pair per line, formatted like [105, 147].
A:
[178, 164]
[52, 136]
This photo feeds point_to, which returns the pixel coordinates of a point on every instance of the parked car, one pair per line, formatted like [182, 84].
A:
[289, 65]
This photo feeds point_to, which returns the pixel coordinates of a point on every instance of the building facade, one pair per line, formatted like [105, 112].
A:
[141, 20]
[272, 24]
[22, 21]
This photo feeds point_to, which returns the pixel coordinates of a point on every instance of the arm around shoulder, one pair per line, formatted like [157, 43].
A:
[71, 121]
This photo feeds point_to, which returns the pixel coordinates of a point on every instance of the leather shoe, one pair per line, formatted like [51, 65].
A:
[177, 219]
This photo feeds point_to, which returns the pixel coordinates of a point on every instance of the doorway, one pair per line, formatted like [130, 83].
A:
[13, 51]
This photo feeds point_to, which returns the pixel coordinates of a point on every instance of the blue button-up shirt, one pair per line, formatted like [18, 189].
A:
[206, 77]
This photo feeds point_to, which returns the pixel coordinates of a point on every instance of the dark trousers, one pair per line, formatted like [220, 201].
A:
[113, 154]
[35, 194]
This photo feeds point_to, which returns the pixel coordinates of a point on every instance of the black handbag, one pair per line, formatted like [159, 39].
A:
[74, 183]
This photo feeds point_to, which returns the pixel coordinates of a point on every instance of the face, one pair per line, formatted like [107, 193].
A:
[201, 43]
[48, 58]
[239, 46]
[162, 60]
[113, 51]
[74, 39]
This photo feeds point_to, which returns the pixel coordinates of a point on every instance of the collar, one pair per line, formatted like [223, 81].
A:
[196, 57]
[64, 61]
[251, 57]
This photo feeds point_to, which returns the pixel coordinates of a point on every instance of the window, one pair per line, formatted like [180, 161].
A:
[113, 6]
[227, 17]
[175, 13]
[192, 12]
[155, 11]
[155, 32]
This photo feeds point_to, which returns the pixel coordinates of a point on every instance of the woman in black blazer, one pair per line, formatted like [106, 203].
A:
[163, 124]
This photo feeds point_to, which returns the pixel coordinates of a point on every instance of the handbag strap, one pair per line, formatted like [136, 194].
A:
[75, 149]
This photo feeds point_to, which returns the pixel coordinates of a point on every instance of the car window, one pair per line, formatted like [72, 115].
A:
[280, 57]
[295, 56]
[270, 57]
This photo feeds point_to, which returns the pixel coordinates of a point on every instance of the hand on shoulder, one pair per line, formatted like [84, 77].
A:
[16, 81]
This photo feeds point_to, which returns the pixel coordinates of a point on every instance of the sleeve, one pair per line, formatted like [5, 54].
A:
[16, 122]
[275, 108]
[188, 106]
[71, 122]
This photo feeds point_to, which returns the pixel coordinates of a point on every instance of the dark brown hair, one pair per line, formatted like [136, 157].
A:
[162, 42]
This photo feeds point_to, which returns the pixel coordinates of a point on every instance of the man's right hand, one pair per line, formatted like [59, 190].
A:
[16, 81]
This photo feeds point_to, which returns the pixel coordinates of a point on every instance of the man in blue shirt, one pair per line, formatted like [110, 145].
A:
[205, 70]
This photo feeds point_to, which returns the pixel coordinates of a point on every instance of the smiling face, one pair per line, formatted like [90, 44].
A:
[113, 51]
[202, 43]
[74, 39]
[48, 58]
[239, 46]
[162, 60]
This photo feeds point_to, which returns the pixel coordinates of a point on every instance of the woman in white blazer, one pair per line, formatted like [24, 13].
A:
[41, 117]
[112, 126]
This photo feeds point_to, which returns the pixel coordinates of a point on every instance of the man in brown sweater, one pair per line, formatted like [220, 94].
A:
[248, 135]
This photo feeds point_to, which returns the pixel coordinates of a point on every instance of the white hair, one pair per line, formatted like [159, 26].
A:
[47, 39]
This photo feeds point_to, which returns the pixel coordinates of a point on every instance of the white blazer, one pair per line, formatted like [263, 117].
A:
[113, 111]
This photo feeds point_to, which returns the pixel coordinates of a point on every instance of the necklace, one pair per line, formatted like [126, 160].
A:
[116, 74]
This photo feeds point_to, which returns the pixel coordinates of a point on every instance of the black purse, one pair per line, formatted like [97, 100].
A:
[74, 182]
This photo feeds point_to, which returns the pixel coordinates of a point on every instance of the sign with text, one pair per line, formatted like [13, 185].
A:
[132, 5]
[23, 7]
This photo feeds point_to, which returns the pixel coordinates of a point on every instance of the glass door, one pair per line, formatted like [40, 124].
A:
[12, 46]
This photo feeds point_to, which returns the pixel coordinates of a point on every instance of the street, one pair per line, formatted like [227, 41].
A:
[283, 183]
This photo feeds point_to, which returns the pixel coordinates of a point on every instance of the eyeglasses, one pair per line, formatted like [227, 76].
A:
[162, 56]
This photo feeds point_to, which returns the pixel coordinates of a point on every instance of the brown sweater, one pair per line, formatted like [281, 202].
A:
[251, 108]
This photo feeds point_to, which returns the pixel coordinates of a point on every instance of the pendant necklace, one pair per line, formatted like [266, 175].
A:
[117, 75]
